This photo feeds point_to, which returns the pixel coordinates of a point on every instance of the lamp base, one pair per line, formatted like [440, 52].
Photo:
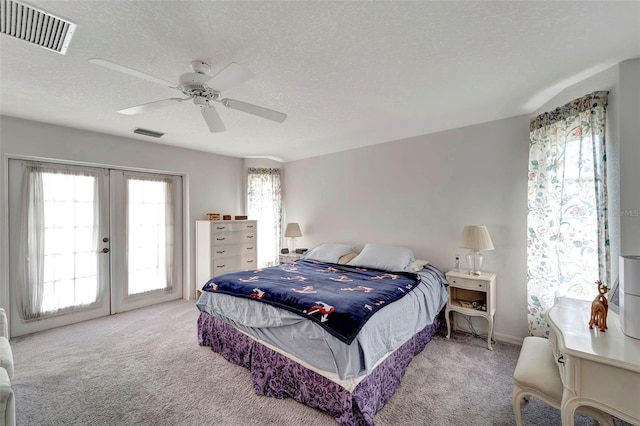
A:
[474, 262]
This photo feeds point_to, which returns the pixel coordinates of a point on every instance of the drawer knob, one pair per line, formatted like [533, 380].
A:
[221, 239]
[221, 266]
[249, 248]
[249, 236]
[220, 251]
[249, 226]
[250, 261]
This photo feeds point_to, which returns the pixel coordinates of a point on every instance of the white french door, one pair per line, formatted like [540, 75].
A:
[146, 226]
[86, 242]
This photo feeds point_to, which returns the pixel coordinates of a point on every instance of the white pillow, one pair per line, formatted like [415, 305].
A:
[328, 252]
[417, 265]
[388, 258]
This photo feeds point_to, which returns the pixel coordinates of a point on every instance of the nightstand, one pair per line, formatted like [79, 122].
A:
[289, 258]
[464, 289]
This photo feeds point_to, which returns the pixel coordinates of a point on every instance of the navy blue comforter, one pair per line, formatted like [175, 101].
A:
[338, 297]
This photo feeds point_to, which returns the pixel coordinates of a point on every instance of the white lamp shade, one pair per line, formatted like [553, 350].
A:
[293, 230]
[476, 237]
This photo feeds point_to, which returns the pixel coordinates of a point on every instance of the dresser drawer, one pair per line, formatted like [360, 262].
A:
[468, 284]
[233, 227]
[224, 251]
[249, 249]
[226, 238]
[233, 264]
[244, 226]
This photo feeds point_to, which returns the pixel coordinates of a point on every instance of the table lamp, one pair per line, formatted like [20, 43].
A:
[475, 238]
[292, 231]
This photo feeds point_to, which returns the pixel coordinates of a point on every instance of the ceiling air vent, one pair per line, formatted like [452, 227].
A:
[35, 26]
[146, 132]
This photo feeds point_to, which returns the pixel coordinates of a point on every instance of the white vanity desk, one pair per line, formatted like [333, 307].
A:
[601, 370]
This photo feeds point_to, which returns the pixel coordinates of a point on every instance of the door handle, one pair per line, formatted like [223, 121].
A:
[105, 250]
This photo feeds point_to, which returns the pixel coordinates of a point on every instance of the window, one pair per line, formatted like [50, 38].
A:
[264, 203]
[149, 236]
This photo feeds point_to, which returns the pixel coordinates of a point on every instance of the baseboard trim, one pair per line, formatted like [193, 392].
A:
[500, 337]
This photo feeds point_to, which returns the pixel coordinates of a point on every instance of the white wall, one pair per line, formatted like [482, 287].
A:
[419, 193]
[215, 181]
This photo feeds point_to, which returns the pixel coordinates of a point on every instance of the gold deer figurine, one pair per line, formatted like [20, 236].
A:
[599, 308]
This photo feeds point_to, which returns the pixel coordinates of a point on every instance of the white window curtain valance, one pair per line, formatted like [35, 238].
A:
[568, 230]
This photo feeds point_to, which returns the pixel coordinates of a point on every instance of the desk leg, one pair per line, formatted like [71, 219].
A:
[447, 314]
[568, 408]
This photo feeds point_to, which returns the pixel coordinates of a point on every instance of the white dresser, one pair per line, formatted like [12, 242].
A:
[224, 246]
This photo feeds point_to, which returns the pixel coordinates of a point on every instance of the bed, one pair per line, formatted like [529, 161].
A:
[335, 331]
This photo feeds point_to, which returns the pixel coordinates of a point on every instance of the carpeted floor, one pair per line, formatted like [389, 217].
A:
[145, 367]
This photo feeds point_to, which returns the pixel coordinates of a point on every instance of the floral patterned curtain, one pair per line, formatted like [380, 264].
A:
[568, 231]
[264, 203]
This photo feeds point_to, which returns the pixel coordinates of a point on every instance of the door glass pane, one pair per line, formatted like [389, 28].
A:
[148, 229]
[70, 255]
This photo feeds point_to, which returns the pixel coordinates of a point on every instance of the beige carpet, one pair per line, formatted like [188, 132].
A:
[145, 367]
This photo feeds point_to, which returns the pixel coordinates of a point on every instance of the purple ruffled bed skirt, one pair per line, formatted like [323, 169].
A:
[276, 375]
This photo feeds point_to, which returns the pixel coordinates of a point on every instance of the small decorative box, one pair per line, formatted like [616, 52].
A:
[213, 216]
[241, 217]
[226, 217]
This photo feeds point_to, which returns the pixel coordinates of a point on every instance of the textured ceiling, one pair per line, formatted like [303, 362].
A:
[348, 74]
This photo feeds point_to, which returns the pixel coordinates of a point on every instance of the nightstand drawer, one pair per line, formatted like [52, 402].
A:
[289, 258]
[468, 284]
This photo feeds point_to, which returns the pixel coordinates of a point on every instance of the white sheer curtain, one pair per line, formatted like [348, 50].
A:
[59, 256]
[568, 229]
[264, 203]
[150, 232]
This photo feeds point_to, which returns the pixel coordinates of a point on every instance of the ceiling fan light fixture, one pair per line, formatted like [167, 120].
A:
[201, 88]
[147, 132]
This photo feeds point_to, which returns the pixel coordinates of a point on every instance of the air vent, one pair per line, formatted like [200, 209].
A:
[35, 26]
[147, 132]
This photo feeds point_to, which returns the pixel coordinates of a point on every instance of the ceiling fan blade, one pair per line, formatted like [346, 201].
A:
[263, 112]
[116, 67]
[139, 109]
[232, 75]
[213, 120]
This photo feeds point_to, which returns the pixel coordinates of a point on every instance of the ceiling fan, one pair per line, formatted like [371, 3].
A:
[202, 88]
